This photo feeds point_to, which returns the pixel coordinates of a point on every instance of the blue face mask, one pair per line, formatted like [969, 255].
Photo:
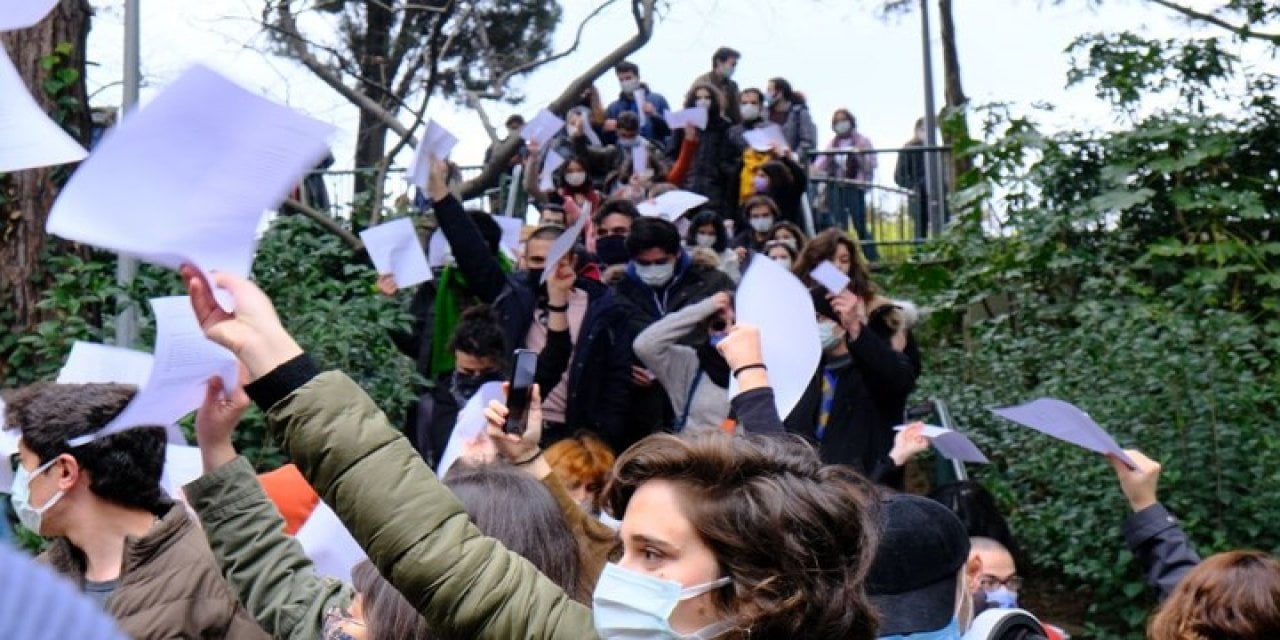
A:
[716, 339]
[633, 606]
[31, 517]
[1002, 598]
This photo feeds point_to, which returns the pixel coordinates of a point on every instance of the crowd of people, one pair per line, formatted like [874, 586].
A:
[639, 498]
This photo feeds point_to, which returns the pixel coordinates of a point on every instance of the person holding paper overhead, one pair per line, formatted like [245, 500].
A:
[653, 108]
[869, 367]
[708, 162]
[593, 382]
[112, 530]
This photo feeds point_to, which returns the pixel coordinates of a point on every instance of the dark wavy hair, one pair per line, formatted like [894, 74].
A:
[702, 219]
[124, 468]
[479, 334]
[822, 247]
[795, 536]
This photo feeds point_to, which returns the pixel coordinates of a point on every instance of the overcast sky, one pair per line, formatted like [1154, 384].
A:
[839, 52]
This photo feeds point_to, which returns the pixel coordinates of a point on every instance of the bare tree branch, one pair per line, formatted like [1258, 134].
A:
[473, 101]
[642, 12]
[326, 221]
[1244, 30]
[499, 84]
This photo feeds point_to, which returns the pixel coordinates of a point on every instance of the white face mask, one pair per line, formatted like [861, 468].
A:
[828, 335]
[629, 86]
[30, 516]
[656, 275]
[761, 225]
[702, 103]
[706, 239]
[628, 605]
[750, 111]
[843, 127]
[785, 261]
[575, 179]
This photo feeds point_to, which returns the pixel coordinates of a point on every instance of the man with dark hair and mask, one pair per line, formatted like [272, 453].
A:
[660, 279]
[573, 322]
[112, 529]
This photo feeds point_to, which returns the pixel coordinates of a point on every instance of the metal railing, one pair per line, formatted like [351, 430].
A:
[335, 191]
[883, 206]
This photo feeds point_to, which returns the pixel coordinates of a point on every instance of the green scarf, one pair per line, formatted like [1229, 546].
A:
[452, 298]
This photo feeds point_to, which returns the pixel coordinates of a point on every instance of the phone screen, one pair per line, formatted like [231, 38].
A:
[523, 368]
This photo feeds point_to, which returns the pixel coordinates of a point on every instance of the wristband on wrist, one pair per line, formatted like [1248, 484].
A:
[758, 365]
[520, 463]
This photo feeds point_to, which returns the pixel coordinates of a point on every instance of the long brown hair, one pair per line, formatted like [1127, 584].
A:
[796, 537]
[822, 247]
[1233, 595]
[387, 614]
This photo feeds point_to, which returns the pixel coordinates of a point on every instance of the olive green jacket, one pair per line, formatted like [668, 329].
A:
[413, 529]
[267, 568]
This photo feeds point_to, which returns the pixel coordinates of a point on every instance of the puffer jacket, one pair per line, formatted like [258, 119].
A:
[267, 568]
[414, 530]
[169, 585]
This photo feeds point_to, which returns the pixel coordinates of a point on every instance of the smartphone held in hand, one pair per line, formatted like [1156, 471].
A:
[524, 365]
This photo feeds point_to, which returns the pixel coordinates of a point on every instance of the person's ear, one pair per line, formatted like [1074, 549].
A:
[973, 570]
[69, 472]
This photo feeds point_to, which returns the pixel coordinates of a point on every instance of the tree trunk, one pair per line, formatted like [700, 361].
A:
[371, 143]
[959, 131]
[26, 196]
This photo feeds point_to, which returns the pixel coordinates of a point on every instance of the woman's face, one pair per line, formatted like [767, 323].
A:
[349, 624]
[659, 541]
[842, 258]
[706, 229]
[780, 255]
[783, 234]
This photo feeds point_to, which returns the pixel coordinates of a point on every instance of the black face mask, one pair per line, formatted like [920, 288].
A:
[533, 277]
[612, 250]
[464, 386]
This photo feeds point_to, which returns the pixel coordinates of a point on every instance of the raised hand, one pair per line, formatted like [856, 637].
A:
[1139, 485]
[216, 420]
[252, 332]
[908, 443]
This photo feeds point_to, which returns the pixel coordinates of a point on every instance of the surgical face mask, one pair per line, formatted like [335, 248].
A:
[629, 86]
[828, 335]
[612, 249]
[575, 179]
[762, 225]
[702, 103]
[533, 277]
[706, 239]
[750, 111]
[783, 260]
[30, 516]
[656, 275]
[772, 100]
[843, 127]
[727, 70]
[630, 605]
[1002, 598]
[760, 184]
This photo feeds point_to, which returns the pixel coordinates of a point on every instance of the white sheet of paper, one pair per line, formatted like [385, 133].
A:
[546, 179]
[20, 14]
[639, 159]
[436, 144]
[672, 204]
[641, 99]
[196, 168]
[696, 116]
[439, 253]
[952, 445]
[564, 244]
[764, 138]
[511, 230]
[470, 424]
[28, 138]
[1066, 422]
[182, 465]
[542, 128]
[328, 544]
[830, 277]
[184, 361]
[650, 209]
[90, 363]
[778, 304]
[394, 248]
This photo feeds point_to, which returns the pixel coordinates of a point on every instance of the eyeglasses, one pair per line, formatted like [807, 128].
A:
[991, 583]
